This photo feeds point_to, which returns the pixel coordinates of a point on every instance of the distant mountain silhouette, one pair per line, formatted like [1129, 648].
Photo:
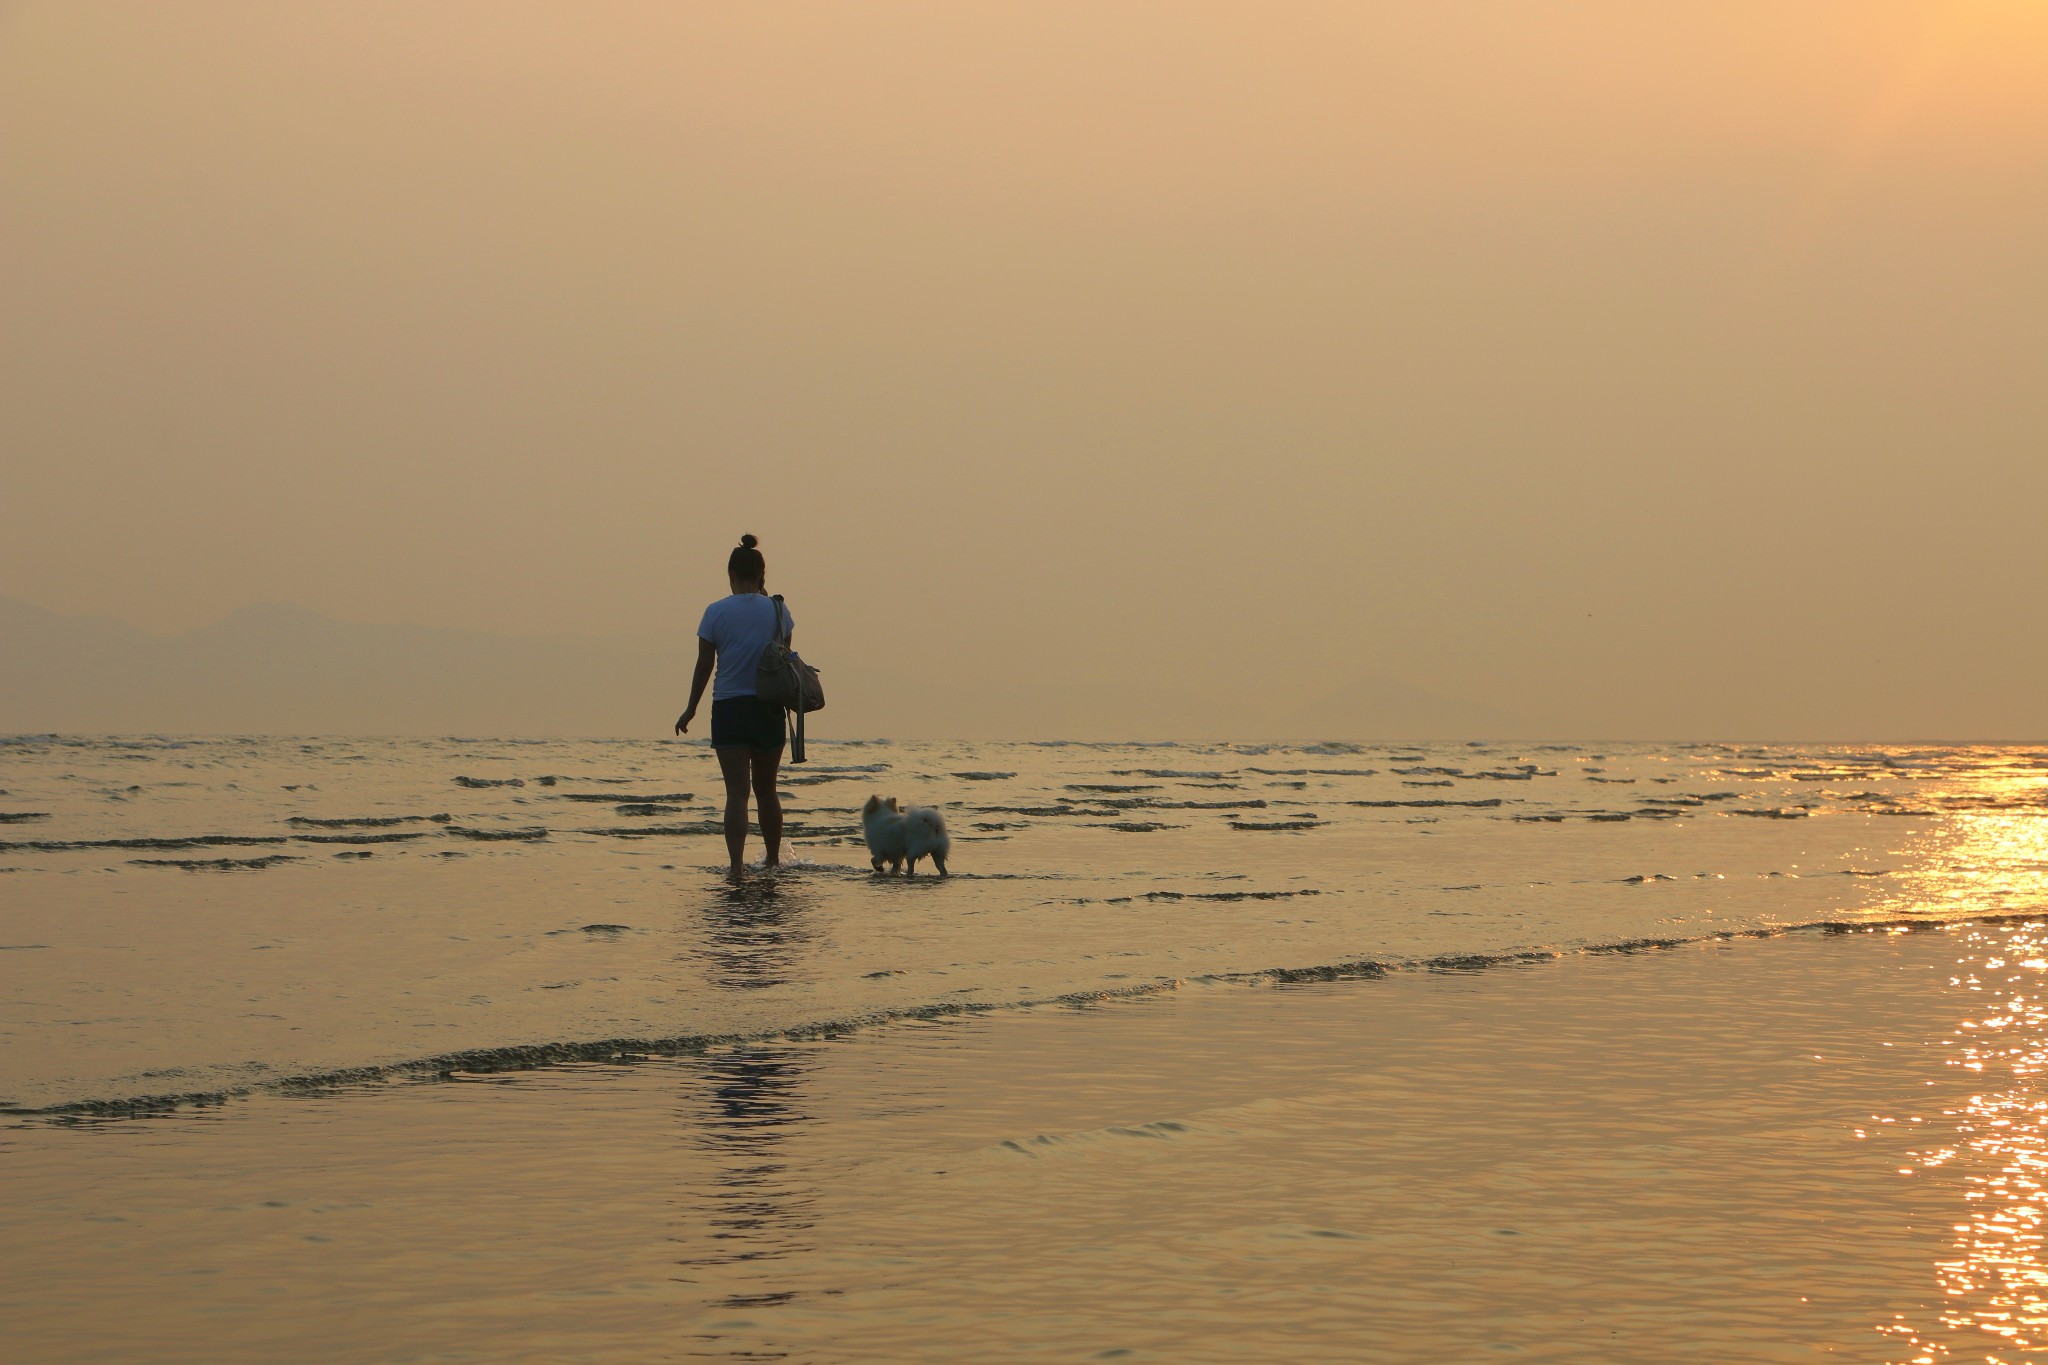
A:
[275, 668]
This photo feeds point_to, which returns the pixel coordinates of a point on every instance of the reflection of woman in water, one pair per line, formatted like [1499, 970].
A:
[746, 732]
[755, 934]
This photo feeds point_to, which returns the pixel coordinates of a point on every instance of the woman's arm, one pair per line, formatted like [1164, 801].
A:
[707, 654]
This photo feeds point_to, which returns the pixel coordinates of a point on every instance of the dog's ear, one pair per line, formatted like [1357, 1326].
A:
[891, 803]
[874, 804]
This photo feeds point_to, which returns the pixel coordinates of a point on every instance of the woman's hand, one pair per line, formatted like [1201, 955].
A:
[707, 656]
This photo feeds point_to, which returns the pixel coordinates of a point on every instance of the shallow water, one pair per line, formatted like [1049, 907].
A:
[193, 917]
[1742, 1151]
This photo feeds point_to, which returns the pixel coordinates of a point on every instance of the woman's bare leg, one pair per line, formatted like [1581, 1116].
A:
[769, 802]
[733, 760]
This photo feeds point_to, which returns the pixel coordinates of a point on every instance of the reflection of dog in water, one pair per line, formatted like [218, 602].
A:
[895, 835]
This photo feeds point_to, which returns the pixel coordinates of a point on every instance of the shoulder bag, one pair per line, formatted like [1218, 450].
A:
[784, 679]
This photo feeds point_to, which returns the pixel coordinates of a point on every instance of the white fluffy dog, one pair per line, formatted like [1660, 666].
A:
[895, 835]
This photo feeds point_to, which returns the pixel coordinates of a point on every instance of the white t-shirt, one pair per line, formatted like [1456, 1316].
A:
[741, 626]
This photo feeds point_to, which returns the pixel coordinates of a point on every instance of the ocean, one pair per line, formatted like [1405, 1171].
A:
[454, 1049]
[197, 917]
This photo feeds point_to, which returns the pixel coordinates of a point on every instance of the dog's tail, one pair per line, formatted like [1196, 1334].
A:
[930, 836]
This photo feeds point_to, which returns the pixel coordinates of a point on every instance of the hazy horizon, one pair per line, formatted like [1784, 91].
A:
[277, 668]
[1637, 371]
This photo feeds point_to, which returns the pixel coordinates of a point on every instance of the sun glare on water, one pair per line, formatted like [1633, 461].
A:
[1994, 1278]
[1986, 854]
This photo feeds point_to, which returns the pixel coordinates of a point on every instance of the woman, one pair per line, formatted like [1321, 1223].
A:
[746, 732]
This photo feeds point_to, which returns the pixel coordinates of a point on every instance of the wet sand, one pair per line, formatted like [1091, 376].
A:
[1755, 1150]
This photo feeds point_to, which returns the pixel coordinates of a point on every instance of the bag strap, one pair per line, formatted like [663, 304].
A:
[794, 716]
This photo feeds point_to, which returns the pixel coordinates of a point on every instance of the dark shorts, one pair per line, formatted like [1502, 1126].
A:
[748, 722]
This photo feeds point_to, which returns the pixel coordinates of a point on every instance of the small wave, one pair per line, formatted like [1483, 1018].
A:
[366, 821]
[1771, 813]
[1166, 772]
[1990, 803]
[524, 832]
[1023, 810]
[1213, 896]
[1300, 823]
[389, 838]
[194, 841]
[620, 798]
[480, 782]
[646, 808]
[526, 1057]
[216, 864]
[1130, 826]
[22, 817]
[1428, 803]
[984, 777]
[1044, 1145]
[655, 831]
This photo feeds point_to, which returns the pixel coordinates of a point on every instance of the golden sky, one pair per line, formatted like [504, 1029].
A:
[1634, 368]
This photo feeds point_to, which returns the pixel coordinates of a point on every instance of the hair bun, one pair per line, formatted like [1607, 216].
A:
[749, 542]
